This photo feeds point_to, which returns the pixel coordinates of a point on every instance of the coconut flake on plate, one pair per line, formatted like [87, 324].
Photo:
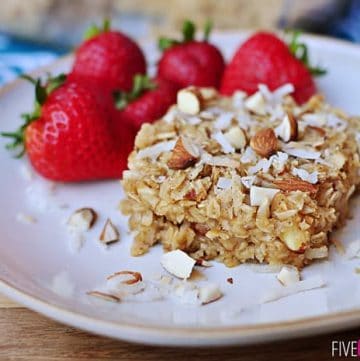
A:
[353, 249]
[301, 286]
[187, 293]
[155, 150]
[224, 143]
[223, 120]
[178, 263]
[305, 175]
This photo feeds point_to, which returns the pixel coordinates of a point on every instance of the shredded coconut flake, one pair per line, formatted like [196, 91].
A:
[224, 183]
[302, 153]
[155, 150]
[301, 286]
[305, 175]
[225, 144]
[249, 156]
[223, 121]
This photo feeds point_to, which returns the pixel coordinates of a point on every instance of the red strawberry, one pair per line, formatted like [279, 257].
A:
[147, 102]
[190, 62]
[109, 59]
[264, 58]
[70, 136]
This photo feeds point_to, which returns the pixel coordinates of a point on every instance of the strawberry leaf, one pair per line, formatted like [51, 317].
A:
[300, 51]
[188, 31]
[188, 34]
[141, 83]
[41, 93]
[207, 29]
[94, 30]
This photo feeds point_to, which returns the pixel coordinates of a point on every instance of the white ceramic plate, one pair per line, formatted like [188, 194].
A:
[38, 269]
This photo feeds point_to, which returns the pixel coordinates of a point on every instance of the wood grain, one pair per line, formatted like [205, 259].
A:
[26, 335]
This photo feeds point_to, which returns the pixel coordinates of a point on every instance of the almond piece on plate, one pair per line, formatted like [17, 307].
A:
[189, 100]
[264, 142]
[258, 195]
[288, 275]
[288, 128]
[256, 103]
[110, 233]
[209, 293]
[184, 154]
[178, 263]
[295, 184]
[236, 137]
[104, 296]
[82, 219]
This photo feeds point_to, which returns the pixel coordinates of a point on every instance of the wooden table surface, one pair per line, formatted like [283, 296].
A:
[26, 335]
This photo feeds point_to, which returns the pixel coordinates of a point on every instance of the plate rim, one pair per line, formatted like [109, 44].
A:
[185, 336]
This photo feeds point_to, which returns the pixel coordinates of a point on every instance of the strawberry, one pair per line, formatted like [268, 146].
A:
[69, 136]
[147, 101]
[266, 59]
[191, 62]
[109, 59]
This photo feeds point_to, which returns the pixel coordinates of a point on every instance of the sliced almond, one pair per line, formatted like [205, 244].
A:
[288, 275]
[295, 239]
[288, 128]
[295, 184]
[236, 137]
[178, 263]
[104, 296]
[203, 263]
[208, 93]
[321, 132]
[82, 219]
[184, 154]
[258, 195]
[189, 100]
[127, 277]
[256, 104]
[209, 293]
[110, 233]
[264, 142]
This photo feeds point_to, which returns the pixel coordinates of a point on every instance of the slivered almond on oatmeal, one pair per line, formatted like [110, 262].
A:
[295, 184]
[222, 198]
[264, 142]
[184, 154]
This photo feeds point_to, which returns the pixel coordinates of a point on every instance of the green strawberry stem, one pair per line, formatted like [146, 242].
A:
[300, 51]
[188, 34]
[94, 30]
[141, 83]
[42, 91]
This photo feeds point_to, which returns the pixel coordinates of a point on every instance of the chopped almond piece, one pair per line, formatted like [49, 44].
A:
[82, 219]
[184, 154]
[264, 142]
[104, 296]
[295, 184]
[189, 100]
[110, 233]
[288, 128]
[132, 277]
